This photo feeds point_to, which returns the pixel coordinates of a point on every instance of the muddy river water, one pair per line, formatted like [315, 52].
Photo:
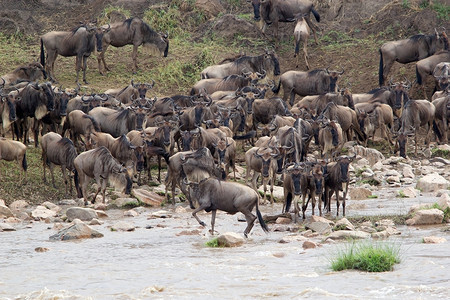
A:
[159, 261]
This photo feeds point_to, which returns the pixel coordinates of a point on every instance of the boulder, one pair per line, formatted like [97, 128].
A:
[18, 205]
[432, 182]
[372, 155]
[123, 226]
[309, 245]
[417, 207]
[283, 220]
[125, 202]
[42, 212]
[359, 193]
[321, 219]
[5, 212]
[344, 234]
[6, 227]
[319, 227]
[434, 240]
[163, 214]
[344, 224]
[51, 206]
[81, 213]
[77, 230]
[426, 217]
[393, 179]
[408, 172]
[211, 8]
[70, 202]
[378, 166]
[130, 213]
[292, 238]
[180, 210]
[230, 239]
[148, 197]
[409, 192]
[444, 201]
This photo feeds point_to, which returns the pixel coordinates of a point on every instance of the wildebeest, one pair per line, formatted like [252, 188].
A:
[228, 83]
[337, 179]
[55, 119]
[60, 151]
[193, 117]
[291, 187]
[373, 116]
[346, 117]
[317, 103]
[131, 92]
[194, 165]
[36, 101]
[79, 42]
[427, 65]
[265, 109]
[417, 113]
[331, 138]
[225, 153]
[86, 102]
[7, 111]
[231, 197]
[275, 11]
[81, 124]
[405, 51]
[315, 82]
[98, 163]
[262, 161]
[134, 32]
[265, 63]
[119, 122]
[301, 34]
[29, 72]
[13, 150]
[442, 117]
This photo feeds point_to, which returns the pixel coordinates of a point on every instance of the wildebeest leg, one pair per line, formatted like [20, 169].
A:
[49, 67]
[344, 192]
[337, 201]
[78, 61]
[445, 126]
[44, 163]
[304, 192]
[254, 180]
[101, 58]
[159, 168]
[63, 170]
[134, 57]
[99, 182]
[292, 97]
[84, 67]
[250, 218]
[200, 208]
[84, 182]
[213, 220]
[320, 204]
[305, 51]
[104, 190]
[52, 167]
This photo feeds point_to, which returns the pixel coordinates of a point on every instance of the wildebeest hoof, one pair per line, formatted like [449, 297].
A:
[203, 224]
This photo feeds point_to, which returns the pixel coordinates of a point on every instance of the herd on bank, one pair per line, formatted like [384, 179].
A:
[115, 134]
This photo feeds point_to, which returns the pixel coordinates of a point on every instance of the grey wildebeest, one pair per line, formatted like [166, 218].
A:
[79, 42]
[346, 117]
[417, 113]
[275, 11]
[60, 151]
[119, 122]
[228, 83]
[81, 124]
[317, 103]
[231, 197]
[265, 109]
[442, 118]
[13, 150]
[98, 163]
[373, 116]
[337, 179]
[291, 187]
[134, 32]
[276, 122]
[226, 156]
[266, 63]
[405, 51]
[194, 165]
[29, 72]
[7, 110]
[331, 138]
[315, 82]
[262, 161]
[131, 92]
[427, 65]
[36, 101]
[301, 35]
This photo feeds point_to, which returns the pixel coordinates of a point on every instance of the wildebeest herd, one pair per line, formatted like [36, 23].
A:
[115, 135]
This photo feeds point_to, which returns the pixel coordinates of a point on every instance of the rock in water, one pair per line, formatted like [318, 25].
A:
[77, 230]
[84, 214]
[230, 239]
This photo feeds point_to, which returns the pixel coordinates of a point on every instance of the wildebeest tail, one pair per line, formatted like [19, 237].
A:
[43, 58]
[418, 76]
[316, 14]
[276, 89]
[380, 70]
[437, 131]
[77, 183]
[287, 206]
[260, 218]
[297, 46]
[24, 162]
[249, 135]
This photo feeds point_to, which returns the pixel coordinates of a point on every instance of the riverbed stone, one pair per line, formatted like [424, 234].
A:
[345, 234]
[123, 226]
[124, 202]
[130, 213]
[359, 193]
[316, 218]
[76, 230]
[444, 201]
[5, 211]
[393, 179]
[180, 209]
[432, 182]
[69, 202]
[292, 238]
[426, 217]
[18, 205]
[6, 227]
[51, 206]
[370, 154]
[309, 245]
[230, 239]
[344, 224]
[161, 214]
[148, 197]
[84, 214]
[409, 192]
[408, 172]
[319, 227]
[283, 220]
[41, 212]
[378, 166]
[434, 240]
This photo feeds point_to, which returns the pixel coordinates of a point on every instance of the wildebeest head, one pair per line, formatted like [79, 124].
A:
[400, 90]
[46, 91]
[151, 37]
[142, 88]
[402, 140]
[141, 116]
[295, 173]
[9, 108]
[99, 32]
[163, 133]
[221, 150]
[266, 155]
[256, 4]
[343, 161]
[334, 76]
[270, 62]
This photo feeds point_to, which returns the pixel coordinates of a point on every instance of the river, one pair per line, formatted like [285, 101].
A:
[159, 261]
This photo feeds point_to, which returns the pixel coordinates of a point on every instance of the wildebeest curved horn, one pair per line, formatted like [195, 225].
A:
[102, 97]
[4, 81]
[342, 72]
[288, 147]
[86, 100]
[196, 130]
[326, 70]
[150, 85]
[185, 181]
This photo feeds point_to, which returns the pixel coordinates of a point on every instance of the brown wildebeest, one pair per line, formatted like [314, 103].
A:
[264, 110]
[195, 165]
[373, 116]
[331, 138]
[231, 197]
[98, 163]
[134, 32]
[317, 103]
[265, 63]
[7, 110]
[119, 122]
[79, 42]
[81, 124]
[442, 117]
[228, 83]
[292, 188]
[417, 113]
[405, 51]
[60, 151]
[427, 65]
[226, 156]
[275, 11]
[29, 72]
[277, 122]
[346, 117]
[132, 92]
[301, 34]
[337, 178]
[315, 82]
[13, 150]
[262, 160]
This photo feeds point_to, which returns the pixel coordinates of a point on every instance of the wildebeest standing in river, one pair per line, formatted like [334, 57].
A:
[134, 32]
[79, 42]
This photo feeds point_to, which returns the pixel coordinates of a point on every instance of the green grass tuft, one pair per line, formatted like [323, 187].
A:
[370, 257]
[214, 243]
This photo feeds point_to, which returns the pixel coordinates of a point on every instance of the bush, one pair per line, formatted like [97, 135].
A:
[368, 257]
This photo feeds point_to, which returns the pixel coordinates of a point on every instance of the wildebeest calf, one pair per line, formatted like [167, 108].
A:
[13, 150]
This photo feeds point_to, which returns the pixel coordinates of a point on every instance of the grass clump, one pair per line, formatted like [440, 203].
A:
[373, 196]
[369, 257]
[401, 194]
[214, 243]
[442, 10]
[435, 152]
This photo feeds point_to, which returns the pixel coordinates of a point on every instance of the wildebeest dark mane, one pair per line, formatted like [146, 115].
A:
[74, 30]
[232, 77]
[314, 72]
[418, 37]
[64, 142]
[123, 114]
[104, 157]
[149, 35]
[128, 22]
[377, 91]
[94, 122]
[69, 152]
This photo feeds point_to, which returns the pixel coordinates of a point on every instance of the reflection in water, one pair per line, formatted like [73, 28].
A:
[159, 263]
